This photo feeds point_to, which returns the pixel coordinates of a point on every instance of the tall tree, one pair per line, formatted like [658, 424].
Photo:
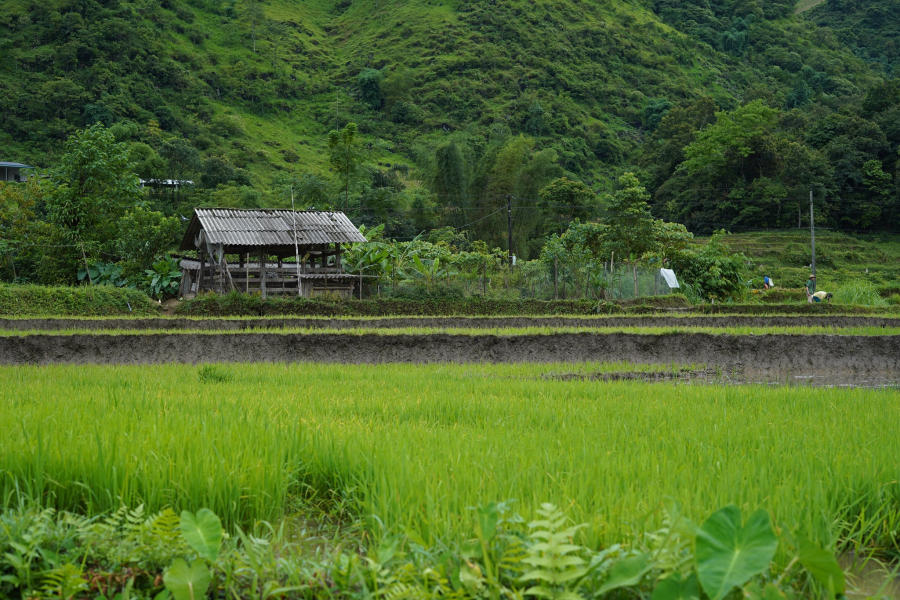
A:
[345, 156]
[91, 186]
[449, 180]
[631, 226]
[563, 201]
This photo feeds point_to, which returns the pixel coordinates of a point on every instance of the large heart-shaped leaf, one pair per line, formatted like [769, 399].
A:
[187, 582]
[203, 532]
[675, 587]
[728, 555]
[822, 565]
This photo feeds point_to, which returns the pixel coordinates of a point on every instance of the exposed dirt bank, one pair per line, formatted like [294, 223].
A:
[783, 353]
[467, 322]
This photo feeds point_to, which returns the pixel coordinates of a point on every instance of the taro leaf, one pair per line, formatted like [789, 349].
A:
[202, 532]
[753, 591]
[677, 588]
[728, 555]
[624, 573]
[822, 565]
[187, 582]
[488, 517]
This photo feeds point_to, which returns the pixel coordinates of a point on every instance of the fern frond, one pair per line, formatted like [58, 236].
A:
[64, 582]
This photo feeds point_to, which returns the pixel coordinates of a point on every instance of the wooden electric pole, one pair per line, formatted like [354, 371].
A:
[812, 232]
[509, 229]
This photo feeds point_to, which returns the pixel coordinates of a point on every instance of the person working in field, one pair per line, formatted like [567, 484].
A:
[768, 284]
[821, 296]
[810, 288]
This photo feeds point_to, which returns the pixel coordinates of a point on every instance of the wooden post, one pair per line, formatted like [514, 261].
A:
[555, 275]
[247, 274]
[634, 271]
[200, 273]
[262, 273]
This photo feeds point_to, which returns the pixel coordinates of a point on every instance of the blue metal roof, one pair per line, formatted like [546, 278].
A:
[15, 165]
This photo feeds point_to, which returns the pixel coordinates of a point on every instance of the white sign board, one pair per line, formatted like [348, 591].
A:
[669, 276]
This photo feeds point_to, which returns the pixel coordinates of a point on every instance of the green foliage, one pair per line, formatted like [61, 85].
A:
[563, 201]
[729, 553]
[235, 95]
[878, 19]
[502, 560]
[144, 236]
[203, 532]
[187, 581]
[212, 374]
[368, 83]
[163, 279]
[630, 224]
[63, 582]
[344, 155]
[100, 273]
[822, 565]
[556, 568]
[91, 184]
[712, 273]
[250, 305]
[450, 179]
[34, 300]
[860, 293]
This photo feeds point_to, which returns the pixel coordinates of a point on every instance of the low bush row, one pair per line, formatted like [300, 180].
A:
[237, 304]
[96, 300]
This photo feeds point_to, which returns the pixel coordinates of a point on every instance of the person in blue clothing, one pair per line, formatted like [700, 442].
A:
[768, 284]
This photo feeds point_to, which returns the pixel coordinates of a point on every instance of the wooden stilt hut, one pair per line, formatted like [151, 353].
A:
[245, 250]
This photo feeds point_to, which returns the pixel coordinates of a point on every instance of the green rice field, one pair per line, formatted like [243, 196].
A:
[410, 449]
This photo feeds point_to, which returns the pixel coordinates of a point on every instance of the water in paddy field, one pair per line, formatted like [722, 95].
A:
[831, 378]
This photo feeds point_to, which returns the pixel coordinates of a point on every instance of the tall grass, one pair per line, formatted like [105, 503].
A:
[861, 293]
[417, 446]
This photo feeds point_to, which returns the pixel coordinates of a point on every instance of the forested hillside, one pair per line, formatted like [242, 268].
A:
[729, 112]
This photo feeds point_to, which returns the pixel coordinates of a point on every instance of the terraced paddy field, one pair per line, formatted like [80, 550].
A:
[255, 323]
[397, 454]
[827, 350]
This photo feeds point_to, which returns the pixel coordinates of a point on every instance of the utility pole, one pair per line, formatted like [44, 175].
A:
[509, 229]
[812, 232]
[296, 247]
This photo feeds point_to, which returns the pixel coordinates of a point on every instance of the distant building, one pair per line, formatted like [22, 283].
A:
[236, 248]
[13, 171]
[166, 183]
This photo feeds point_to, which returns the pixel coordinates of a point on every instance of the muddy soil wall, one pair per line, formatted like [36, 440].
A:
[485, 322]
[769, 352]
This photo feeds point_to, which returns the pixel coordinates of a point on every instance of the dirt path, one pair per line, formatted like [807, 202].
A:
[787, 353]
[467, 322]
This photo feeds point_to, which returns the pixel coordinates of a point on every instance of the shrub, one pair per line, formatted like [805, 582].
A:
[96, 300]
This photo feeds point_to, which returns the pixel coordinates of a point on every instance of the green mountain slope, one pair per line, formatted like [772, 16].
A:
[871, 29]
[241, 95]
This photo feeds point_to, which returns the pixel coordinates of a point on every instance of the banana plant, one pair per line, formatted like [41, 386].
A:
[431, 270]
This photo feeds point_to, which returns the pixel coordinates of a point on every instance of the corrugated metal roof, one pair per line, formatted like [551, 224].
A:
[15, 165]
[260, 227]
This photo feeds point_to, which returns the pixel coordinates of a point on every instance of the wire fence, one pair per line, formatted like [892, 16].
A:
[532, 279]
